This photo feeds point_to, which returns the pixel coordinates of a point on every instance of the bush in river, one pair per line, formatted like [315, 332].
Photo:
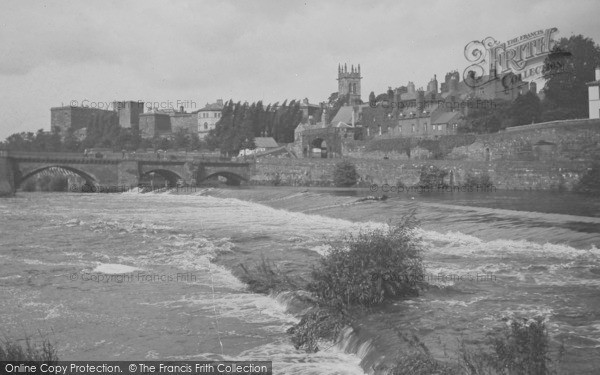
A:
[520, 348]
[361, 271]
[370, 268]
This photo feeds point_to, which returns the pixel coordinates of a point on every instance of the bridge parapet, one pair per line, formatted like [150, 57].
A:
[114, 156]
[17, 166]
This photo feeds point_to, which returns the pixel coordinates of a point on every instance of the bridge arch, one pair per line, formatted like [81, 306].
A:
[232, 178]
[167, 174]
[89, 179]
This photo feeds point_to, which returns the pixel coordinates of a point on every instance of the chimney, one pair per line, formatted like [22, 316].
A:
[420, 101]
[220, 102]
[453, 85]
[598, 73]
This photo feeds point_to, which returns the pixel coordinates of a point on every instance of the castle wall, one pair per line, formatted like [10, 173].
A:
[129, 113]
[154, 124]
[541, 156]
[187, 122]
[75, 118]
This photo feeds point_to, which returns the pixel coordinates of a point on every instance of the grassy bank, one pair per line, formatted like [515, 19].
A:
[27, 350]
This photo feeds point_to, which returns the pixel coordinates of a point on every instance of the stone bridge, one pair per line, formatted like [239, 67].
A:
[117, 170]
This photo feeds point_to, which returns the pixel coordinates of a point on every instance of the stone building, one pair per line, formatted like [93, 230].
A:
[155, 123]
[126, 114]
[594, 95]
[208, 116]
[183, 121]
[309, 109]
[64, 119]
[129, 113]
[505, 86]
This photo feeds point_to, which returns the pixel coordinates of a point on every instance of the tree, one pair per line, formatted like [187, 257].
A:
[71, 143]
[567, 70]
[372, 97]
[333, 98]
[390, 94]
[381, 97]
[526, 109]
[181, 139]
[488, 119]
[345, 174]
[195, 142]
[432, 177]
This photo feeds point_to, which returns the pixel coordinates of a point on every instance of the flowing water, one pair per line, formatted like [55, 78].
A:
[148, 276]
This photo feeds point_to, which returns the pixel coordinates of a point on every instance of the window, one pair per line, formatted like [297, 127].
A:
[413, 128]
[205, 125]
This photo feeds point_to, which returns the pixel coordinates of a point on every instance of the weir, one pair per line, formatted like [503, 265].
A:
[116, 169]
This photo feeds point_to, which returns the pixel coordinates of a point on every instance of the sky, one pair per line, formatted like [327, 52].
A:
[59, 53]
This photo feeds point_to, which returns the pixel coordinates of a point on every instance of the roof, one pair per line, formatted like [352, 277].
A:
[265, 142]
[341, 125]
[210, 107]
[344, 114]
[446, 117]
[429, 106]
[301, 127]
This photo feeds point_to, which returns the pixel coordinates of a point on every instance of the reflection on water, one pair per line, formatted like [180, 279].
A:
[51, 244]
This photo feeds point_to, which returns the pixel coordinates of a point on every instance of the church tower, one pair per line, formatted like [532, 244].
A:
[349, 83]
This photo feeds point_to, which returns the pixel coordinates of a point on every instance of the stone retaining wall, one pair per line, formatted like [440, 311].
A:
[519, 175]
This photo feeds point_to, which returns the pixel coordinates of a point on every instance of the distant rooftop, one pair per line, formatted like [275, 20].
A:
[265, 142]
[218, 106]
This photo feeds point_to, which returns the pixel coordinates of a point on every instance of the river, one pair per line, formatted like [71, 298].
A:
[148, 276]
